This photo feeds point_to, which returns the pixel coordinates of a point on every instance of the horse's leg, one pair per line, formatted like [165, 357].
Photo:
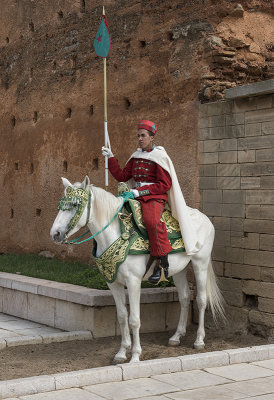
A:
[181, 284]
[134, 292]
[118, 292]
[200, 270]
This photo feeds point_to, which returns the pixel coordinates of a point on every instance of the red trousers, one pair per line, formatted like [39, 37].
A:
[158, 241]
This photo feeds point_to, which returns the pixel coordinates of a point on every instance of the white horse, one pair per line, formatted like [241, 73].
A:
[97, 213]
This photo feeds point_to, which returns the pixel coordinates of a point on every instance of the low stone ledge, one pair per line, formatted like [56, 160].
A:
[79, 294]
[46, 338]
[77, 308]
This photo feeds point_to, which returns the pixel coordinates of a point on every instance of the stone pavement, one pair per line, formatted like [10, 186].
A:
[252, 381]
[16, 331]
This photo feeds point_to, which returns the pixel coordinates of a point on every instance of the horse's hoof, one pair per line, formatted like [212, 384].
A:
[119, 360]
[199, 346]
[174, 343]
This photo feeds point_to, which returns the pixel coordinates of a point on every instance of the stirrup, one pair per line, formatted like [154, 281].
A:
[163, 276]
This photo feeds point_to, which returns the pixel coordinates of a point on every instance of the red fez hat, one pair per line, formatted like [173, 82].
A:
[148, 125]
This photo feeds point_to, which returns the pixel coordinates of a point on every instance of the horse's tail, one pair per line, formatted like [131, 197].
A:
[214, 296]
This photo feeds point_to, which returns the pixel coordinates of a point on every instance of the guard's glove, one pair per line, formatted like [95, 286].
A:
[107, 152]
[135, 192]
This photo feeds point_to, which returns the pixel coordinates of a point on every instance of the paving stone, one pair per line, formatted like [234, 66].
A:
[23, 340]
[132, 388]
[240, 372]
[191, 379]
[88, 377]
[26, 386]
[66, 336]
[199, 361]
[254, 387]
[6, 318]
[148, 368]
[38, 331]
[207, 393]
[68, 394]
[19, 324]
[263, 397]
[153, 397]
[247, 354]
[265, 363]
[6, 333]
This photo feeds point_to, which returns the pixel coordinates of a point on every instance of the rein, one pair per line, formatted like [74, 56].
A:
[75, 241]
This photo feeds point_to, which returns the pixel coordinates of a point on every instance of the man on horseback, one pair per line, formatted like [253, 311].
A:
[154, 182]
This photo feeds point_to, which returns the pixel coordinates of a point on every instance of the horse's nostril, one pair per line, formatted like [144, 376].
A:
[56, 235]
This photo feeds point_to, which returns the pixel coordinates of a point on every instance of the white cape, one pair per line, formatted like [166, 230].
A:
[193, 242]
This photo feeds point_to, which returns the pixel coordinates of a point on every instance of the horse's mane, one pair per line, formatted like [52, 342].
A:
[105, 204]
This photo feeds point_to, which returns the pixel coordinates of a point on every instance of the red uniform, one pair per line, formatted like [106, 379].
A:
[152, 197]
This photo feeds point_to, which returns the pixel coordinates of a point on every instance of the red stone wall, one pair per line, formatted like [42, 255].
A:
[51, 96]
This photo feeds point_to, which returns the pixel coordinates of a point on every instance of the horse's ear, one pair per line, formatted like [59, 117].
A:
[86, 182]
[66, 182]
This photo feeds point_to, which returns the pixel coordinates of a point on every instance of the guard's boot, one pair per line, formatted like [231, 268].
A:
[160, 272]
[164, 265]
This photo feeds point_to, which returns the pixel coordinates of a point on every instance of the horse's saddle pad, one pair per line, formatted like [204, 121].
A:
[131, 220]
[134, 239]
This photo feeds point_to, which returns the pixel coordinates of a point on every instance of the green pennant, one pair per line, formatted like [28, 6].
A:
[102, 40]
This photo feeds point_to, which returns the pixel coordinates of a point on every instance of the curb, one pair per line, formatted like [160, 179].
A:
[45, 339]
[142, 369]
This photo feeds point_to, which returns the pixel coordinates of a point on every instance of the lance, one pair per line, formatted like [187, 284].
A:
[102, 44]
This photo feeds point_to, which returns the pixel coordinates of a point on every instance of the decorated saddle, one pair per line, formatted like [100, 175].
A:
[134, 238]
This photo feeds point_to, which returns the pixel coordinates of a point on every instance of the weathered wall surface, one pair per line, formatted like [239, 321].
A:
[236, 143]
[165, 56]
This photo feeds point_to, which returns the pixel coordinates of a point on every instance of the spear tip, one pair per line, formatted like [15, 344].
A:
[104, 10]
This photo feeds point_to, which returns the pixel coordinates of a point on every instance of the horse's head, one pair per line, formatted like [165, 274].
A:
[73, 209]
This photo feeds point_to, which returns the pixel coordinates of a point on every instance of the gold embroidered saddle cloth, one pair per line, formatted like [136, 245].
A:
[134, 239]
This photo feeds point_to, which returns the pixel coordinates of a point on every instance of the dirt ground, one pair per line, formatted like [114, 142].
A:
[25, 361]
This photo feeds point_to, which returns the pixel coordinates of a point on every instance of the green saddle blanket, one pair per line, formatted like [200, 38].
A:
[134, 239]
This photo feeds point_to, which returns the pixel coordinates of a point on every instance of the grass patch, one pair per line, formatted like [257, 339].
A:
[73, 272]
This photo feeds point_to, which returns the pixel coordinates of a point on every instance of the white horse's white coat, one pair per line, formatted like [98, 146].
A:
[103, 207]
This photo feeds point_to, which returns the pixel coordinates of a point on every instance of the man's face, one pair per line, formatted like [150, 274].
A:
[145, 141]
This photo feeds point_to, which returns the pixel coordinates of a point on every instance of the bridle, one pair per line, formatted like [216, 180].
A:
[80, 198]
